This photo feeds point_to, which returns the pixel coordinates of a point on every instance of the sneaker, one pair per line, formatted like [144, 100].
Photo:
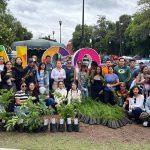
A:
[145, 123]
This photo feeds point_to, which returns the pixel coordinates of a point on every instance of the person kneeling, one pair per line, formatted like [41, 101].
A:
[20, 98]
[145, 116]
[136, 101]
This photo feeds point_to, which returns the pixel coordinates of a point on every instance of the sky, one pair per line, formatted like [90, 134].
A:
[42, 17]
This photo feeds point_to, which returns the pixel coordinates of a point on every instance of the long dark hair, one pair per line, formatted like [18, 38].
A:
[16, 63]
[100, 71]
[39, 67]
[131, 94]
[5, 69]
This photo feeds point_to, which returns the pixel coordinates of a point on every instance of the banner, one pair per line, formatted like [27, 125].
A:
[22, 53]
[3, 53]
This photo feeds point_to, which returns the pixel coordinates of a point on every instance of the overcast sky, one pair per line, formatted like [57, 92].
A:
[41, 17]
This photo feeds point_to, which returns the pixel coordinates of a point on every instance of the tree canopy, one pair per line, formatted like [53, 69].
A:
[130, 35]
[10, 28]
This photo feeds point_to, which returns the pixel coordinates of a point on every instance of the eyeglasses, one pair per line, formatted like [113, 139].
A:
[134, 100]
[69, 62]
[23, 86]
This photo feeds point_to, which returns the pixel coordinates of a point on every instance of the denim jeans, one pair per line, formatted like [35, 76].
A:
[21, 111]
[135, 113]
[50, 102]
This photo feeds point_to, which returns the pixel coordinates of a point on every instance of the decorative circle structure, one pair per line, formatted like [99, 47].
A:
[54, 50]
[78, 55]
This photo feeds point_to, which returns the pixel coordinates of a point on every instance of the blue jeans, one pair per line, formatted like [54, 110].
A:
[135, 113]
[21, 111]
[50, 102]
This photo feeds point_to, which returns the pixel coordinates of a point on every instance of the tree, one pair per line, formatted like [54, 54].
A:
[10, 29]
[77, 37]
[138, 32]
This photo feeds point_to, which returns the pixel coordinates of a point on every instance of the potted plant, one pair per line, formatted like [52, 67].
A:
[53, 125]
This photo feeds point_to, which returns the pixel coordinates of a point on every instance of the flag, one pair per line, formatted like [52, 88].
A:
[3, 53]
[22, 53]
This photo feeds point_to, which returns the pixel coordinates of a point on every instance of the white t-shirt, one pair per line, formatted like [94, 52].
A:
[136, 102]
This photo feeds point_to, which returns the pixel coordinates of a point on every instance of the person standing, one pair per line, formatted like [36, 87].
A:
[29, 74]
[49, 68]
[19, 69]
[123, 72]
[9, 77]
[83, 80]
[69, 75]
[58, 74]
[43, 78]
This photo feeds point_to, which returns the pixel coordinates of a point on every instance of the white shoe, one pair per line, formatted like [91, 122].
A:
[145, 123]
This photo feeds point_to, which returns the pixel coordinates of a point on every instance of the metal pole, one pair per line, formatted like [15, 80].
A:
[83, 25]
[60, 23]
[53, 34]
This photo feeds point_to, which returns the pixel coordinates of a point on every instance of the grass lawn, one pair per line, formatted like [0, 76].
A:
[58, 141]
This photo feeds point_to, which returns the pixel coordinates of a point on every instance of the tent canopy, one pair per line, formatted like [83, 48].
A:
[36, 44]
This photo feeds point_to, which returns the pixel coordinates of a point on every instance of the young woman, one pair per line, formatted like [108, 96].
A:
[112, 80]
[97, 84]
[32, 91]
[43, 78]
[74, 94]
[143, 79]
[60, 93]
[76, 71]
[19, 70]
[136, 101]
[83, 80]
[9, 77]
[58, 74]
[122, 96]
[20, 98]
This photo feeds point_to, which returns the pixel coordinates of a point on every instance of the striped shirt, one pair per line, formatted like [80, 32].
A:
[21, 95]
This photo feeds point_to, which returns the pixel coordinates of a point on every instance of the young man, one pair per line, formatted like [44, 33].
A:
[123, 72]
[105, 67]
[69, 75]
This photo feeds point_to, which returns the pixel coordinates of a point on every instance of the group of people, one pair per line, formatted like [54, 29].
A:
[114, 82]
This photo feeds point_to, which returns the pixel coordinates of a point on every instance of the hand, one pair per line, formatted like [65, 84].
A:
[23, 80]
[124, 106]
[31, 74]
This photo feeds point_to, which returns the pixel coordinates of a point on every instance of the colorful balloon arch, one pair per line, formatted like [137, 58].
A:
[78, 55]
[54, 50]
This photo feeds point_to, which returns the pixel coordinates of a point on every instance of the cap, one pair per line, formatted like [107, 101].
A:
[115, 58]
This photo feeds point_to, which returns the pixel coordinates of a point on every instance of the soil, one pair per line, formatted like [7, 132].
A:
[129, 134]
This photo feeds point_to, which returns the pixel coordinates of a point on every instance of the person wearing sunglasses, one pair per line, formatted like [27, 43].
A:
[69, 75]
[136, 103]
[20, 99]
